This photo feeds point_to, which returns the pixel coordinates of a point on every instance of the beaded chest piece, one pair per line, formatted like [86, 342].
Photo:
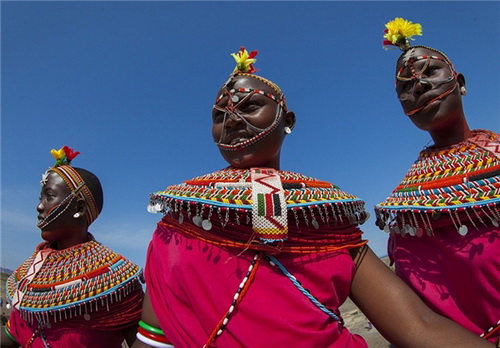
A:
[461, 182]
[57, 284]
[262, 198]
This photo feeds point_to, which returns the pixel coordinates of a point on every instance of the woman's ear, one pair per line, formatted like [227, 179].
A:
[461, 80]
[290, 119]
[81, 207]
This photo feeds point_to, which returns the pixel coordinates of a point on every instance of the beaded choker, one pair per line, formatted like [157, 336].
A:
[57, 284]
[461, 181]
[228, 196]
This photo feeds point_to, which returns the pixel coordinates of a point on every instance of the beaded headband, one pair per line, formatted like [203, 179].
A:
[75, 182]
[244, 67]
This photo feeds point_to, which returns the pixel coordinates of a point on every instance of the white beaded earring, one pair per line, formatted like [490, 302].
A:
[76, 216]
[463, 91]
[288, 130]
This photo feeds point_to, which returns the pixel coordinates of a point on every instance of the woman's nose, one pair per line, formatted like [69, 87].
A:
[422, 86]
[233, 120]
[39, 207]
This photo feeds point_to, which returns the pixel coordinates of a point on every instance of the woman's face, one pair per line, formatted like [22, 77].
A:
[428, 89]
[58, 206]
[252, 114]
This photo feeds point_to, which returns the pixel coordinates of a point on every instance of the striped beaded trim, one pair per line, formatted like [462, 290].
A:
[274, 262]
[495, 329]
[415, 74]
[75, 182]
[238, 296]
[280, 102]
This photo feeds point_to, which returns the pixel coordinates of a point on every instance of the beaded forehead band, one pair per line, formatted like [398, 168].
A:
[244, 67]
[75, 182]
[398, 32]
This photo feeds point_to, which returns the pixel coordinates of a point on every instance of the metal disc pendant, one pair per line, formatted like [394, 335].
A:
[86, 317]
[429, 232]
[412, 231]
[403, 231]
[420, 232]
[387, 229]
[315, 223]
[48, 325]
[181, 219]
[462, 230]
[235, 99]
[495, 223]
[207, 225]
[365, 217]
[197, 220]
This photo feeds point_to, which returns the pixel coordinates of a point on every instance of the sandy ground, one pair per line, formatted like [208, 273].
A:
[357, 323]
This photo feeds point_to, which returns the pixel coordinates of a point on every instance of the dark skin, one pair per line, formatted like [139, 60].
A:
[443, 119]
[396, 311]
[65, 231]
[260, 111]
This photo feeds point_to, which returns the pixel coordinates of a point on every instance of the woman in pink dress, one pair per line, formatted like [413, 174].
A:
[73, 291]
[253, 256]
[443, 218]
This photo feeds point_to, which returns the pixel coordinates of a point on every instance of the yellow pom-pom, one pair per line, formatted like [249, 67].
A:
[399, 31]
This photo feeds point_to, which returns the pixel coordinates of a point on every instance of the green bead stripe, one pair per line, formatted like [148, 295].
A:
[10, 335]
[151, 329]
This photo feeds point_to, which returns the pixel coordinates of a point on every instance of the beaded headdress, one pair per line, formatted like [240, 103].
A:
[244, 67]
[75, 182]
[398, 33]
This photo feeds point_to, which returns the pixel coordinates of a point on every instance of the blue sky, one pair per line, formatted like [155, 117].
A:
[131, 85]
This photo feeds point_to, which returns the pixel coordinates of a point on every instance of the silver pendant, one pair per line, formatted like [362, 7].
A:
[207, 225]
[197, 220]
[420, 232]
[181, 219]
[86, 317]
[412, 231]
[462, 230]
[495, 223]
[315, 223]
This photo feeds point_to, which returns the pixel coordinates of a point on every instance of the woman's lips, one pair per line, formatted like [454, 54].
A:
[238, 140]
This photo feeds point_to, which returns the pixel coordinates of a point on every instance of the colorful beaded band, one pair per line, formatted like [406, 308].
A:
[75, 182]
[151, 329]
[7, 332]
[416, 59]
[152, 342]
[251, 90]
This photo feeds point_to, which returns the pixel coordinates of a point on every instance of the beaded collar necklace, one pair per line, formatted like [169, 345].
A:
[461, 182]
[57, 284]
[228, 196]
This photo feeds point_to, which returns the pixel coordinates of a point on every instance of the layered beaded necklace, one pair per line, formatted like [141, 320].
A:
[461, 182]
